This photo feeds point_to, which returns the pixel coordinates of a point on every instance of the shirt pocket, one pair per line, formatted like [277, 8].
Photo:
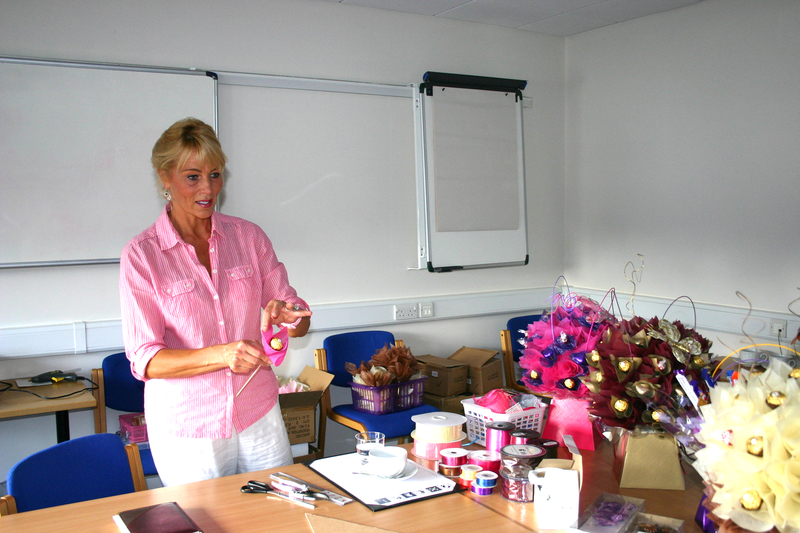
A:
[243, 282]
[180, 297]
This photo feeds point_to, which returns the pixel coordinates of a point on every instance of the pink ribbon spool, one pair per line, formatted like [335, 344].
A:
[486, 459]
[454, 456]
[498, 434]
[515, 485]
[432, 450]
[524, 436]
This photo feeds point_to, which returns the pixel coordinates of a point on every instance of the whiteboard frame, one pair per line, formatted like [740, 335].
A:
[102, 66]
[427, 237]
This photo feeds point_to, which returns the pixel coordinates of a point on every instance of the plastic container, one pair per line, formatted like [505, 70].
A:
[388, 398]
[477, 418]
[133, 428]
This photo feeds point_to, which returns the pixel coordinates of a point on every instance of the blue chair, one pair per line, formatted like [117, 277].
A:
[123, 392]
[77, 470]
[356, 347]
[512, 348]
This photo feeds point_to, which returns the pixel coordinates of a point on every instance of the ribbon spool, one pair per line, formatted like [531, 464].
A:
[436, 432]
[439, 426]
[481, 491]
[522, 455]
[524, 436]
[449, 471]
[550, 447]
[485, 479]
[433, 450]
[515, 485]
[487, 460]
[454, 456]
[498, 434]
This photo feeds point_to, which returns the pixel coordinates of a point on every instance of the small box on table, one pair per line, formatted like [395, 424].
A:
[448, 404]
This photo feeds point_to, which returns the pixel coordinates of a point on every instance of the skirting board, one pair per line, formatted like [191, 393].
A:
[106, 335]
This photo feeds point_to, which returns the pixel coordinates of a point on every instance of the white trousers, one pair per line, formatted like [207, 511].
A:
[263, 445]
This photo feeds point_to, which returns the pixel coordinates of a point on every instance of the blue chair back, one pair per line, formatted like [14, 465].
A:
[86, 468]
[123, 392]
[517, 327]
[352, 347]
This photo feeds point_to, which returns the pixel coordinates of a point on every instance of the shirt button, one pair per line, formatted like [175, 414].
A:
[228, 373]
[214, 271]
[221, 322]
[210, 249]
[216, 297]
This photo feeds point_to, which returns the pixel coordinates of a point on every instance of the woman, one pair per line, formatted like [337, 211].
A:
[192, 289]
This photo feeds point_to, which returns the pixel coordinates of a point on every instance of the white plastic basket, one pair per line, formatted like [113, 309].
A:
[478, 416]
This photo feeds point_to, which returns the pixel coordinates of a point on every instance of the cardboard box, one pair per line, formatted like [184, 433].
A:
[485, 372]
[448, 404]
[446, 377]
[647, 461]
[556, 489]
[299, 408]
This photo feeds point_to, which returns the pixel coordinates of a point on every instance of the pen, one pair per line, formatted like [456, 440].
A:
[301, 503]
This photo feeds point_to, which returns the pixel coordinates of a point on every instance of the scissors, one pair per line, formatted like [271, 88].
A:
[259, 487]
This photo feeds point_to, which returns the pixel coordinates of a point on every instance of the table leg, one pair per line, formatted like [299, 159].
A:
[62, 426]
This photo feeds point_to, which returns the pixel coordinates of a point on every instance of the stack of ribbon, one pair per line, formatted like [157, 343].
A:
[484, 483]
[518, 461]
[451, 460]
[436, 432]
[468, 475]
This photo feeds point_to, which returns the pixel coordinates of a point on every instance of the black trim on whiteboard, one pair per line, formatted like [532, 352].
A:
[464, 81]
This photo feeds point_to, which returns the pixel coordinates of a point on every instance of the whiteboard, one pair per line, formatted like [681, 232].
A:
[471, 179]
[75, 144]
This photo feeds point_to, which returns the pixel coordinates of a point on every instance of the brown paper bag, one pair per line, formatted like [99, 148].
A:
[647, 461]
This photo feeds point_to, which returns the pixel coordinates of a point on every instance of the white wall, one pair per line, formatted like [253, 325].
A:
[683, 145]
[292, 38]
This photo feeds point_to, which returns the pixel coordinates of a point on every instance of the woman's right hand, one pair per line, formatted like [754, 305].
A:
[243, 356]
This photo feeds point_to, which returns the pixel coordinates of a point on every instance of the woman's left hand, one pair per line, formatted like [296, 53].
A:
[278, 312]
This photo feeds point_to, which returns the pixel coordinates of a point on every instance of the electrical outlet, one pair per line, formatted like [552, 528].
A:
[406, 311]
[426, 310]
[778, 328]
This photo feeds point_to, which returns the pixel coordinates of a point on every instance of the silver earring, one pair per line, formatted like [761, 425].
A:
[167, 195]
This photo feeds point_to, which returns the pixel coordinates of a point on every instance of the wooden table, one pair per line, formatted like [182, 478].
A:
[598, 477]
[218, 505]
[16, 404]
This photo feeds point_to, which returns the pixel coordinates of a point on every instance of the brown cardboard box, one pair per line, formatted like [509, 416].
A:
[445, 376]
[485, 372]
[448, 404]
[299, 408]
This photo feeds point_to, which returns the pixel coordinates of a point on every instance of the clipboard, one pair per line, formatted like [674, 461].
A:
[377, 494]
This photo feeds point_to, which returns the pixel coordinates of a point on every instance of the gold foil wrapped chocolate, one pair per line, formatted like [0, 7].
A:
[795, 373]
[755, 446]
[276, 344]
[751, 500]
[534, 374]
[624, 365]
[775, 399]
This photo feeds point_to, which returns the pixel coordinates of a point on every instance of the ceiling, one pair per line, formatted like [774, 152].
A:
[554, 17]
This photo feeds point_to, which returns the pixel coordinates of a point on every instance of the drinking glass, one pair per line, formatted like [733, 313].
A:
[366, 441]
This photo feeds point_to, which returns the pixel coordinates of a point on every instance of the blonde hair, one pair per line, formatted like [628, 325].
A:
[183, 139]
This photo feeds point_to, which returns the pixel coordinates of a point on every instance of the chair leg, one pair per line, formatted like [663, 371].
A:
[137, 472]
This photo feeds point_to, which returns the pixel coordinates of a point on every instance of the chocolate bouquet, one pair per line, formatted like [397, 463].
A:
[646, 373]
[557, 346]
[390, 364]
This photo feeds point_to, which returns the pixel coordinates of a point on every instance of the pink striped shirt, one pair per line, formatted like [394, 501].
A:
[169, 300]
